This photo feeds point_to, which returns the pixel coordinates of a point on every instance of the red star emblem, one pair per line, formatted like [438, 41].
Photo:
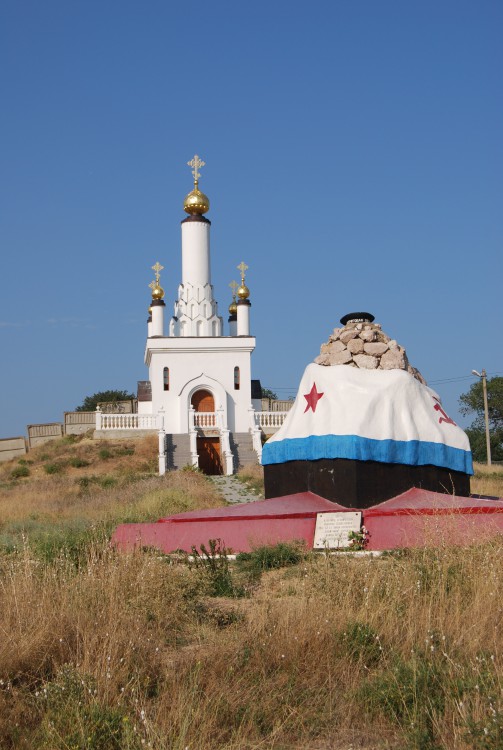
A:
[312, 398]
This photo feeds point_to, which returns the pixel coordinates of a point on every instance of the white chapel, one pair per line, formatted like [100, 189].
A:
[200, 390]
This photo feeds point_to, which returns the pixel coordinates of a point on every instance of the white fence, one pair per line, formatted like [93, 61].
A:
[267, 421]
[126, 421]
[207, 419]
[270, 421]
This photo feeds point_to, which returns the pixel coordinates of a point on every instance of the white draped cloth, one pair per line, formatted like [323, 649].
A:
[368, 415]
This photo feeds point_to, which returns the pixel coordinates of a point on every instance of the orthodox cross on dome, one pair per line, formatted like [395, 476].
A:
[233, 285]
[196, 163]
[157, 269]
[242, 268]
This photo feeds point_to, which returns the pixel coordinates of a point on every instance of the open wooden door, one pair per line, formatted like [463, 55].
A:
[208, 451]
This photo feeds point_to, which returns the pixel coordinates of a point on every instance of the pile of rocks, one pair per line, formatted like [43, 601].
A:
[362, 343]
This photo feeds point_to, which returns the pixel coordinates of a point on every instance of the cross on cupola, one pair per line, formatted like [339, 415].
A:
[196, 163]
[157, 290]
[157, 270]
[242, 267]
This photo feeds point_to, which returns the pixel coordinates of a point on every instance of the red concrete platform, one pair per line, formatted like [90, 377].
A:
[413, 519]
[419, 518]
[240, 527]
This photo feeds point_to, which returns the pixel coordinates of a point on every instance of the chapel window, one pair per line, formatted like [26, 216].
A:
[236, 379]
[165, 378]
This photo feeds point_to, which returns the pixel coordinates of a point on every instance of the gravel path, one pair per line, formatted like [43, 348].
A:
[234, 491]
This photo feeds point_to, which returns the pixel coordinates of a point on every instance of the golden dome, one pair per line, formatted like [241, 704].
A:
[150, 309]
[157, 291]
[196, 202]
[243, 291]
[233, 307]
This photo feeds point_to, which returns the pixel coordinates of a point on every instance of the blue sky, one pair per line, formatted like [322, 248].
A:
[353, 159]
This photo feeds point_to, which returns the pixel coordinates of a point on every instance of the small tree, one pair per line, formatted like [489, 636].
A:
[472, 402]
[91, 402]
[267, 393]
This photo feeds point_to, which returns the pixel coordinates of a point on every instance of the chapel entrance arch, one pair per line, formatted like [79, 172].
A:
[208, 447]
[203, 400]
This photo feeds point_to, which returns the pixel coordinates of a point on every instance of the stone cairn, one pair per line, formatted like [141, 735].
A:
[362, 343]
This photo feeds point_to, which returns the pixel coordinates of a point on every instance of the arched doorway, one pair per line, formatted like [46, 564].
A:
[203, 401]
[208, 447]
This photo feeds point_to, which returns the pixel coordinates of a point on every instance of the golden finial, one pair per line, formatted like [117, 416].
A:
[233, 308]
[243, 291]
[196, 163]
[196, 203]
[157, 290]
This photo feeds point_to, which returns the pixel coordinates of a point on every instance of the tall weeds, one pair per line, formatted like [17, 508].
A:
[401, 650]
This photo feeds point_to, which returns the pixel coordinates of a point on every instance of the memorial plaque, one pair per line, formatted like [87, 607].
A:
[332, 529]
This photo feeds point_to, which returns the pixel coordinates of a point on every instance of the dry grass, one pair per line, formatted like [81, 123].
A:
[396, 652]
[487, 480]
[253, 476]
[119, 483]
[108, 651]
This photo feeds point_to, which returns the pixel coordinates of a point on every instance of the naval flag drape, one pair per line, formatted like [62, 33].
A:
[368, 415]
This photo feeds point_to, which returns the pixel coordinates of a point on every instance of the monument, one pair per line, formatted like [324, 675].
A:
[365, 427]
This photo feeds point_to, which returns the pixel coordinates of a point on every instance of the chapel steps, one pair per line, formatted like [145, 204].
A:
[177, 451]
[242, 449]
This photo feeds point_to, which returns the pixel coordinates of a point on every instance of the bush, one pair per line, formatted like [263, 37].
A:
[20, 471]
[78, 463]
[214, 565]
[105, 454]
[270, 557]
[54, 468]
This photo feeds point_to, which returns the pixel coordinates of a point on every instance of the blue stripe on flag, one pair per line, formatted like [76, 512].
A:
[412, 452]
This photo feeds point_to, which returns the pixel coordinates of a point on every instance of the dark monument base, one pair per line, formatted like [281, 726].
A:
[359, 484]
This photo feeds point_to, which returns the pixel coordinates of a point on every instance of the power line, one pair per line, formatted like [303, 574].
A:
[453, 379]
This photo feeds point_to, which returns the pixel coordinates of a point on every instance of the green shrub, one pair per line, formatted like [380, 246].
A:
[70, 439]
[213, 562]
[127, 450]
[270, 557]
[361, 643]
[106, 481]
[78, 463]
[54, 468]
[105, 454]
[20, 471]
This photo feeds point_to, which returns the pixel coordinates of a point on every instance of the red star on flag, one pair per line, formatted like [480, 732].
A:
[312, 398]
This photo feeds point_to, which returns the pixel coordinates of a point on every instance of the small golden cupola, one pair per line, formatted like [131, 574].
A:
[196, 203]
[157, 290]
[243, 291]
[233, 307]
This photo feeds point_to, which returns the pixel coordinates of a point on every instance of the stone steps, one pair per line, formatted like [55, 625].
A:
[242, 449]
[178, 451]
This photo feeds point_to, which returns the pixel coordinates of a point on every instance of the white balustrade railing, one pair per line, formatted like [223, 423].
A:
[206, 419]
[126, 421]
[270, 420]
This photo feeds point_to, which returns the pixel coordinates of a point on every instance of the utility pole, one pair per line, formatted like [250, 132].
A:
[483, 376]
